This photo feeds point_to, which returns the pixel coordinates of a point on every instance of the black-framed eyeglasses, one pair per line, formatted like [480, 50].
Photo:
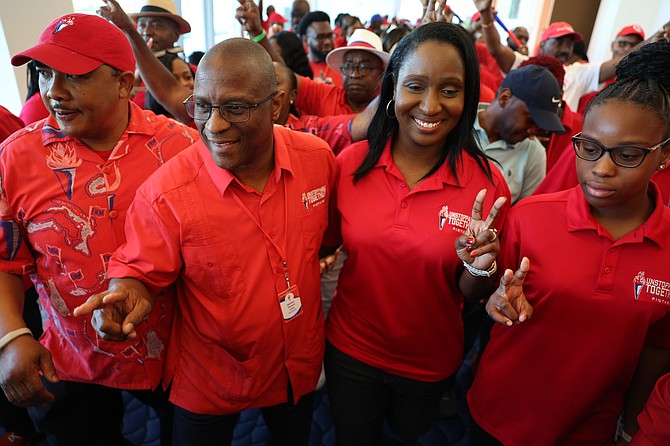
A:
[363, 69]
[624, 156]
[235, 113]
[324, 36]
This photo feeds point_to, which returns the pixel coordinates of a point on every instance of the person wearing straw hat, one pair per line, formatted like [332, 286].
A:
[362, 63]
[159, 23]
[160, 26]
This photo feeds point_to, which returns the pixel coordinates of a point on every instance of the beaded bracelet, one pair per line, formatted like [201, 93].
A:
[481, 272]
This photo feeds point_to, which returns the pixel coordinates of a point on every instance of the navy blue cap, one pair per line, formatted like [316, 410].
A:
[538, 88]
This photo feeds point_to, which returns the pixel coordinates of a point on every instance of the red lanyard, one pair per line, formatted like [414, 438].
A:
[280, 250]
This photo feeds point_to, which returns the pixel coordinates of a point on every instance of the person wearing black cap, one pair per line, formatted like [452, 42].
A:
[528, 100]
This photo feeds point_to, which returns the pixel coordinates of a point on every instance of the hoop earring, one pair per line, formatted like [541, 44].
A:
[387, 109]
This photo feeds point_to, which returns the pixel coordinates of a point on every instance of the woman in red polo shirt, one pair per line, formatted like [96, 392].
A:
[404, 203]
[599, 285]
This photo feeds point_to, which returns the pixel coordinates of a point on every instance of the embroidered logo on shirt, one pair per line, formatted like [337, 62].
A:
[651, 290]
[458, 222]
[64, 162]
[314, 197]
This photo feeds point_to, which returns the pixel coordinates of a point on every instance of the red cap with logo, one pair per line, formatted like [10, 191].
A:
[560, 29]
[632, 30]
[78, 44]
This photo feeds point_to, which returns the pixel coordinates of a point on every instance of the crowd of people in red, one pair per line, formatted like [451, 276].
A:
[367, 204]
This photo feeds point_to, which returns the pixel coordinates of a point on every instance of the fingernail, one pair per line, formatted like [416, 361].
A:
[470, 241]
[474, 253]
[468, 249]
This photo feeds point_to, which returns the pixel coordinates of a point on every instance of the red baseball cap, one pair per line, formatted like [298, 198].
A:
[560, 29]
[632, 30]
[78, 44]
[276, 18]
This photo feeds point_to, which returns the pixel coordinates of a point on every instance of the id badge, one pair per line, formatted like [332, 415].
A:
[289, 301]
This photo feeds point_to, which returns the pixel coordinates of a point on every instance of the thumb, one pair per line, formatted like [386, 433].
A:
[136, 316]
[92, 303]
[48, 368]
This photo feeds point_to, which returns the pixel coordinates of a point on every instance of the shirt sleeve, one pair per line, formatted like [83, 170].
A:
[151, 253]
[315, 98]
[653, 421]
[580, 78]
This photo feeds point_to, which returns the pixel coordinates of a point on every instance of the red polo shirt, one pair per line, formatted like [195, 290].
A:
[231, 349]
[324, 73]
[9, 123]
[62, 213]
[561, 377]
[33, 109]
[653, 421]
[317, 98]
[398, 306]
[335, 130]
[572, 122]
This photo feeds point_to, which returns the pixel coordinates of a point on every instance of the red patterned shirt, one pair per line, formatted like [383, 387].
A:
[62, 213]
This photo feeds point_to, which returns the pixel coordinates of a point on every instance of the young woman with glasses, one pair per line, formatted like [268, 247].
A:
[594, 267]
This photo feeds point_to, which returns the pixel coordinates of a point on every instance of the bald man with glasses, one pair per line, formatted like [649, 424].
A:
[236, 226]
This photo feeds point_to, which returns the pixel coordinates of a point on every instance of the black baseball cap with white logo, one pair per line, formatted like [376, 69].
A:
[538, 88]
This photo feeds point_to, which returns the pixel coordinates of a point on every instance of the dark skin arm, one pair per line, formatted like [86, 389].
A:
[249, 16]
[159, 80]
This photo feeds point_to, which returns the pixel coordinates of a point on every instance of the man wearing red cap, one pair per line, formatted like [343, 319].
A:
[626, 39]
[66, 184]
[557, 40]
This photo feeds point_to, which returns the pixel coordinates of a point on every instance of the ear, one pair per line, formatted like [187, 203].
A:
[292, 95]
[305, 42]
[541, 48]
[126, 81]
[665, 157]
[504, 97]
[277, 105]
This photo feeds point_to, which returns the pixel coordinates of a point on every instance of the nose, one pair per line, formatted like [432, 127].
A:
[430, 103]
[216, 122]
[604, 166]
[56, 87]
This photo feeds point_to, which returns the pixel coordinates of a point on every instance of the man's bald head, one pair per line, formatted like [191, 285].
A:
[239, 53]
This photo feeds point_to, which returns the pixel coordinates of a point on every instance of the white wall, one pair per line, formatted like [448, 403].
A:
[20, 26]
[615, 14]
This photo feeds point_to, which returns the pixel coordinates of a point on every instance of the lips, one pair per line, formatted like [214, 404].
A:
[598, 190]
[64, 114]
[427, 125]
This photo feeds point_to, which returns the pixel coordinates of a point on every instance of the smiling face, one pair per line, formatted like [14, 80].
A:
[429, 95]
[91, 107]
[238, 147]
[514, 123]
[618, 123]
[182, 71]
